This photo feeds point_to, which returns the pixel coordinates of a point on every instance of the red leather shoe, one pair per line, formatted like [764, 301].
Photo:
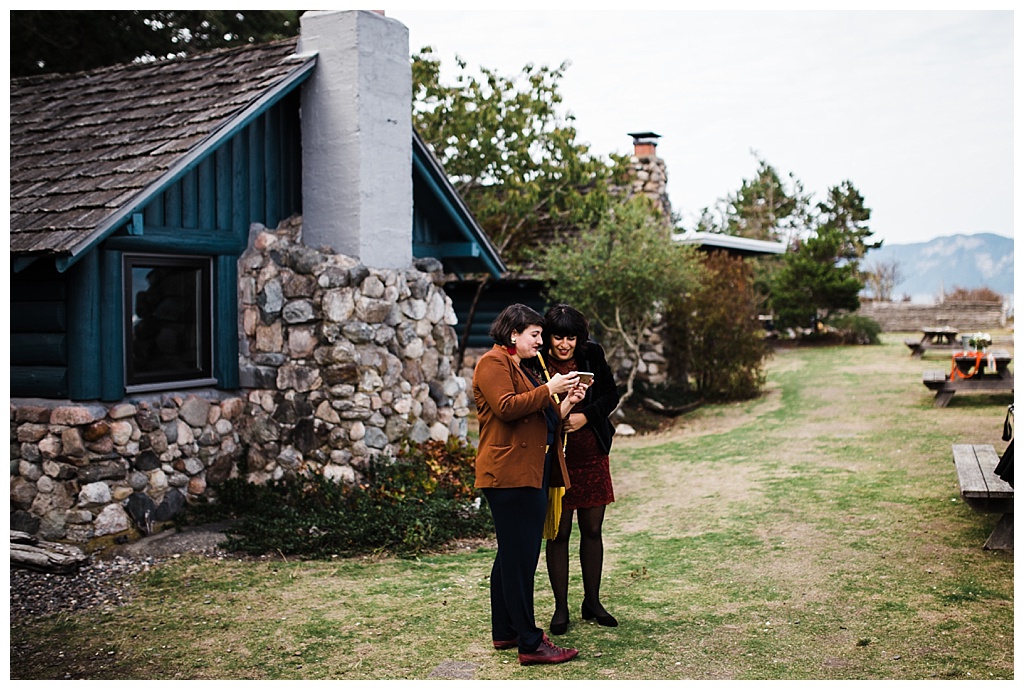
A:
[547, 653]
[506, 644]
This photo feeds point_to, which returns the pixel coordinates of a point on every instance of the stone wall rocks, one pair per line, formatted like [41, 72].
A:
[72, 479]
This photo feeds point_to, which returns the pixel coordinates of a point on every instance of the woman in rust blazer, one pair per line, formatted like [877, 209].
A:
[518, 458]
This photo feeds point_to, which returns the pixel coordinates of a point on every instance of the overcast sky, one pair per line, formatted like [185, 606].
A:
[915, 108]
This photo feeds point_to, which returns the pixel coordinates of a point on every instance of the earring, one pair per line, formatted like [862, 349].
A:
[511, 349]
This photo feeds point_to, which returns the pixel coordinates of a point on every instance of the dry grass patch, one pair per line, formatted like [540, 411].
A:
[814, 533]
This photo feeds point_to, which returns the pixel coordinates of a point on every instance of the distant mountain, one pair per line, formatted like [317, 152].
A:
[939, 265]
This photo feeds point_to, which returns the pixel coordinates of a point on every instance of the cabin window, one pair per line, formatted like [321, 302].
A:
[168, 321]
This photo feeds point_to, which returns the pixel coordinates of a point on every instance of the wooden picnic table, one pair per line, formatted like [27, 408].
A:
[989, 373]
[934, 338]
[985, 492]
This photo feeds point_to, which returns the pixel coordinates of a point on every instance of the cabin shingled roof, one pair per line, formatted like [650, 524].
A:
[84, 145]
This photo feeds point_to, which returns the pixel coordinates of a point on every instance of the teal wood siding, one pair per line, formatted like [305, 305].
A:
[255, 176]
[67, 328]
[225, 321]
[39, 333]
[437, 232]
[85, 307]
[111, 355]
[497, 295]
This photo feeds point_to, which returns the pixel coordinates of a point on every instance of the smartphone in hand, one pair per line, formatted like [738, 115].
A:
[586, 377]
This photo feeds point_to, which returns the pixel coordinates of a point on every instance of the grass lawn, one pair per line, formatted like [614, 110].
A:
[813, 533]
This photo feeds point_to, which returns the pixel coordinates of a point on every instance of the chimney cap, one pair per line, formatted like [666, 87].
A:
[645, 137]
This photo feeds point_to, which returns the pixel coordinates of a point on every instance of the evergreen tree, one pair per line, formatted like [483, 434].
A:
[843, 211]
[821, 276]
[764, 208]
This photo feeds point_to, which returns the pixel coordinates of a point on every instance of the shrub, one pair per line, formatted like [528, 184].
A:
[419, 501]
[619, 274]
[667, 398]
[715, 339]
[980, 294]
[855, 330]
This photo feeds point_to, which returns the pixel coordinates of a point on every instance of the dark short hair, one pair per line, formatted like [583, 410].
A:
[515, 318]
[565, 321]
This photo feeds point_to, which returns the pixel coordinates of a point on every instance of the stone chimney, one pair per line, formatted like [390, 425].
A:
[357, 137]
[649, 177]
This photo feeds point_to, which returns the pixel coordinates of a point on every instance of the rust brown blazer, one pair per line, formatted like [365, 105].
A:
[513, 429]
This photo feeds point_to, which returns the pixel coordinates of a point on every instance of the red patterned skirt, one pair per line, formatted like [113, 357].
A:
[590, 478]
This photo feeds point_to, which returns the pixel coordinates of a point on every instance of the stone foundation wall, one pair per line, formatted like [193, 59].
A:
[339, 363]
[85, 471]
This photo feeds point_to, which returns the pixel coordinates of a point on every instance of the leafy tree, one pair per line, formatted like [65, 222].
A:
[821, 276]
[621, 275]
[713, 332]
[512, 156]
[67, 41]
[882, 278]
[46, 41]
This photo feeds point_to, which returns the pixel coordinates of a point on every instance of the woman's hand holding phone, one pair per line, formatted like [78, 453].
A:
[562, 383]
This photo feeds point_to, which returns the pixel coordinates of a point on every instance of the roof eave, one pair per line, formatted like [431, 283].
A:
[464, 219]
[723, 241]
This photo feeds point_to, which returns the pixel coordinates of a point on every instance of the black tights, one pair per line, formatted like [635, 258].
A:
[591, 560]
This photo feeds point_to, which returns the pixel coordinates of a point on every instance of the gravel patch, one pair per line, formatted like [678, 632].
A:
[98, 583]
[106, 579]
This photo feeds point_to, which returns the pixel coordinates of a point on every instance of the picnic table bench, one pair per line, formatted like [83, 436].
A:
[933, 338]
[985, 492]
[971, 375]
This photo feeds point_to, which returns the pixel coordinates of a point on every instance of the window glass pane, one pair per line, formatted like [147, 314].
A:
[169, 332]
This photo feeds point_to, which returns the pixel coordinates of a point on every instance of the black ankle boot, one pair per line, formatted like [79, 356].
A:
[607, 620]
[558, 627]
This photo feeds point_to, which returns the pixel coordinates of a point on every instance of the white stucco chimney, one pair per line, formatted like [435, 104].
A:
[357, 137]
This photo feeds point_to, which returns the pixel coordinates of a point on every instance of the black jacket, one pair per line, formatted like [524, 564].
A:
[602, 396]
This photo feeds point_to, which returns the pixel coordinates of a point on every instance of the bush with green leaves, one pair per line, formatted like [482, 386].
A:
[715, 341]
[419, 501]
[855, 330]
[620, 275]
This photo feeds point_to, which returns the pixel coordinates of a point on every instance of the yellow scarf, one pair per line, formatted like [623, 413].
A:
[555, 493]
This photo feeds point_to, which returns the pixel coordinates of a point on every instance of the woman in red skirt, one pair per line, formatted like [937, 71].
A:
[568, 348]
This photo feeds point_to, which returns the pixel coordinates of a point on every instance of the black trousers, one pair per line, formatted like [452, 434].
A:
[519, 526]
